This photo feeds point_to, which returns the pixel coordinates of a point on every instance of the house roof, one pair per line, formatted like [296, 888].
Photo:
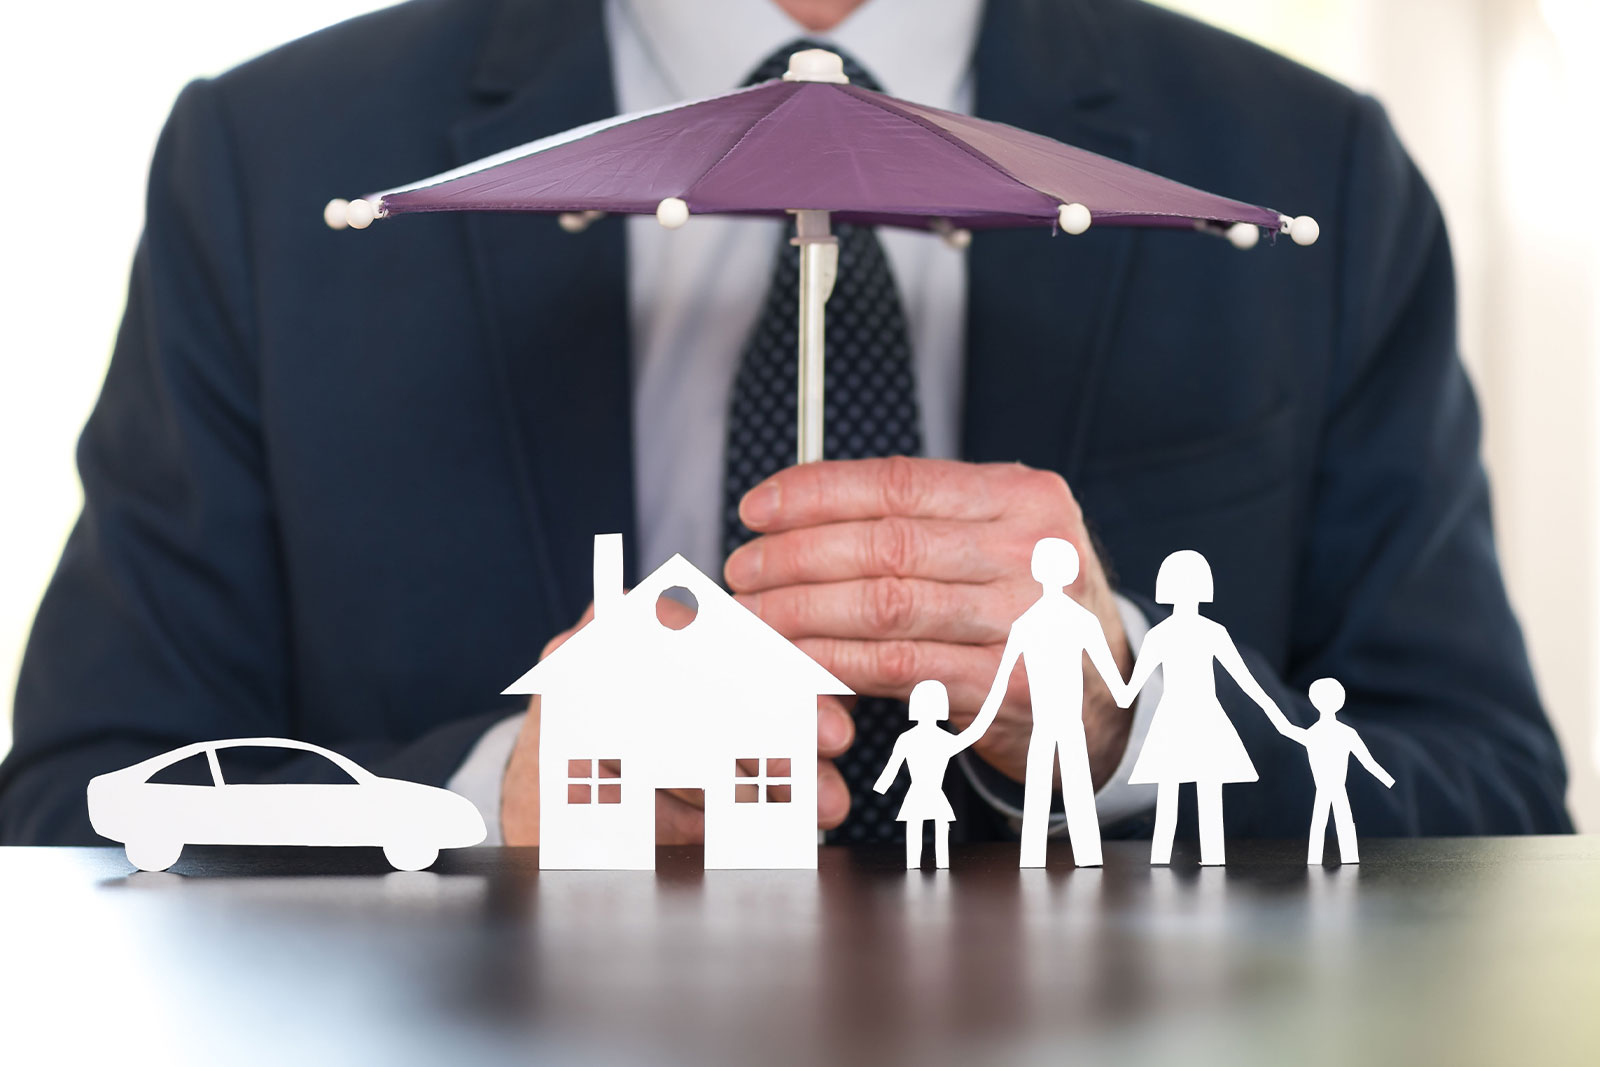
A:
[726, 642]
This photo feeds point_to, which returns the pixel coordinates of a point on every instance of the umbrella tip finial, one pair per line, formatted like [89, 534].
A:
[816, 65]
[1074, 218]
[1303, 230]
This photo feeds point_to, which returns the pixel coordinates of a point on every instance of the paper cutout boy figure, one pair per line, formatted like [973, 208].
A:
[1329, 745]
[1053, 636]
[926, 750]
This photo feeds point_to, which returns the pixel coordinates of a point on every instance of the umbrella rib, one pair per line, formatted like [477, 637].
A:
[545, 144]
[867, 96]
[876, 100]
[745, 136]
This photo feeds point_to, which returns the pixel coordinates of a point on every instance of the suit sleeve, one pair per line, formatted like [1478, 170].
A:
[166, 620]
[1399, 594]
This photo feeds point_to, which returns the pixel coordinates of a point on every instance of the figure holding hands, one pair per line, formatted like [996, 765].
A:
[926, 749]
[1052, 637]
[1191, 738]
[1329, 745]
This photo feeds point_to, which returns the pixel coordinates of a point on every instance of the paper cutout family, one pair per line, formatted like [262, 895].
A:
[1190, 740]
[610, 738]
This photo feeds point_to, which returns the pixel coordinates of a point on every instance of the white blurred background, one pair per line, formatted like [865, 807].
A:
[1497, 99]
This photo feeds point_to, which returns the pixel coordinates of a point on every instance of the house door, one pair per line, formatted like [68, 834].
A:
[678, 798]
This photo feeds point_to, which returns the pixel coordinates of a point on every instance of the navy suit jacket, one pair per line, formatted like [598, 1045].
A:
[344, 488]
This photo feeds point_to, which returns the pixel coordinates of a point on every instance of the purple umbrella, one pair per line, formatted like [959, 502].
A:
[812, 145]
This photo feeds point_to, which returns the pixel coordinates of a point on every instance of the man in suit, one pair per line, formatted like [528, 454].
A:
[341, 488]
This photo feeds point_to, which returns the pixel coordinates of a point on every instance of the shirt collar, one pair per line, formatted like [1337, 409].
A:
[917, 49]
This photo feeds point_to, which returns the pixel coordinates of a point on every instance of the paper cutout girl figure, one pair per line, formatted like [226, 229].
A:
[926, 750]
[1190, 738]
[1051, 638]
[1329, 745]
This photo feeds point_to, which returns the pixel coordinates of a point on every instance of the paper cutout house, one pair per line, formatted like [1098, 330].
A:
[630, 705]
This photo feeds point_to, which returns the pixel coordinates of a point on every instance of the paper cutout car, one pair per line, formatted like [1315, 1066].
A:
[410, 822]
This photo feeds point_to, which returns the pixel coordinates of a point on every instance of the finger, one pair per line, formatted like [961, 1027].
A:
[692, 798]
[944, 550]
[674, 614]
[892, 668]
[836, 729]
[677, 822]
[845, 490]
[833, 796]
[561, 638]
[888, 608]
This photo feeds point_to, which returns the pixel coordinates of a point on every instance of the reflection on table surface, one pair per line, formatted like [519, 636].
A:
[1456, 951]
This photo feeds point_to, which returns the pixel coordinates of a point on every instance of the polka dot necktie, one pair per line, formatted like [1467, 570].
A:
[870, 410]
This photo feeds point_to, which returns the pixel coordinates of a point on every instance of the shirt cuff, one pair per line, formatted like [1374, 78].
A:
[481, 774]
[1117, 800]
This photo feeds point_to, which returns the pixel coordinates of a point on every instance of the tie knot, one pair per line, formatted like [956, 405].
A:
[777, 63]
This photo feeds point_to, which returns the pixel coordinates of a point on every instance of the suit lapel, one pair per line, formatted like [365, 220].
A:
[1033, 365]
[554, 304]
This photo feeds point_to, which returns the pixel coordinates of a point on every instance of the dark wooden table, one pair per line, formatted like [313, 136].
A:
[1442, 951]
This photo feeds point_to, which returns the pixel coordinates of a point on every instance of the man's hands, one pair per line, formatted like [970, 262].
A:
[679, 817]
[889, 571]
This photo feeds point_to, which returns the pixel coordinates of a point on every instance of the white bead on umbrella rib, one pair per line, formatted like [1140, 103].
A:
[360, 214]
[672, 212]
[1074, 218]
[1244, 235]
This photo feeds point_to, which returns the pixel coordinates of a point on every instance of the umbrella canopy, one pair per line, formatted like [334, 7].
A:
[812, 141]
[812, 145]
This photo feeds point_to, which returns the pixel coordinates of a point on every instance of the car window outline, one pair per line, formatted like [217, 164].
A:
[358, 774]
[177, 756]
[156, 764]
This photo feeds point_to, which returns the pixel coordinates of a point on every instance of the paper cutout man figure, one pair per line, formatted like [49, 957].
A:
[1191, 738]
[1053, 636]
[1329, 745]
[926, 751]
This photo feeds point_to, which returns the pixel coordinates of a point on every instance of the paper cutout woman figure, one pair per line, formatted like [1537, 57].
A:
[926, 750]
[1190, 738]
[1329, 745]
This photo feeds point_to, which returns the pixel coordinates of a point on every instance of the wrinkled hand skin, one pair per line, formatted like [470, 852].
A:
[679, 818]
[890, 571]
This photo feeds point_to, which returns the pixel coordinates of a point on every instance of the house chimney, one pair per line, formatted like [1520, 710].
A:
[607, 573]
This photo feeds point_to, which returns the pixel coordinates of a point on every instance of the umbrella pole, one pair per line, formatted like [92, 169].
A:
[819, 266]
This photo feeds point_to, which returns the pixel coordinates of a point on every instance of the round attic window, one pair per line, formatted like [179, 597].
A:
[676, 608]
